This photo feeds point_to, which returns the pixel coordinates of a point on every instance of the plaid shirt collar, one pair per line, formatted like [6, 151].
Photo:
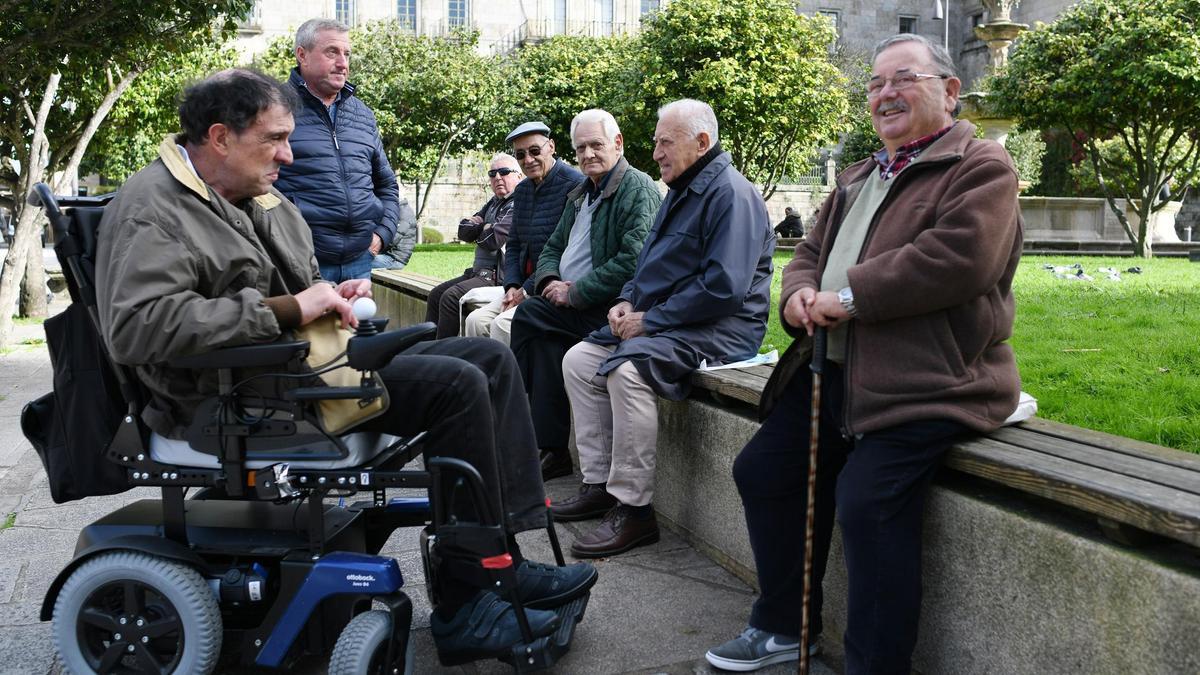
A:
[905, 154]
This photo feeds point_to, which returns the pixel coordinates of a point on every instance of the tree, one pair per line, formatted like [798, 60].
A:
[557, 79]
[1123, 77]
[64, 68]
[149, 110]
[764, 69]
[433, 97]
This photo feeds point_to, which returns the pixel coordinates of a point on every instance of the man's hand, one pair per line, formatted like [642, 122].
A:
[617, 315]
[631, 326]
[795, 312]
[321, 299]
[478, 220]
[376, 245]
[558, 292]
[512, 298]
[353, 289]
[827, 310]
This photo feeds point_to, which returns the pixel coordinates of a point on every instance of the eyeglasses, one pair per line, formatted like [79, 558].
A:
[535, 151]
[502, 171]
[900, 81]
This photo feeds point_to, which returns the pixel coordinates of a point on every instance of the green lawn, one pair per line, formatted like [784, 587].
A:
[1117, 356]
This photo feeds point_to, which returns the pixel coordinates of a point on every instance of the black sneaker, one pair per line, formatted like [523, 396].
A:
[485, 628]
[543, 586]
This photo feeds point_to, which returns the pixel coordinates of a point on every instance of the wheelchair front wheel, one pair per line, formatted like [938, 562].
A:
[126, 611]
[362, 646]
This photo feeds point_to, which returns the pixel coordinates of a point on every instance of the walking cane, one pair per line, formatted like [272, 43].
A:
[814, 424]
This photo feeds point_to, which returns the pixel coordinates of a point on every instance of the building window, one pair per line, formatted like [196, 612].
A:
[343, 10]
[649, 6]
[457, 12]
[560, 18]
[406, 13]
[604, 12]
[251, 21]
[834, 18]
[908, 24]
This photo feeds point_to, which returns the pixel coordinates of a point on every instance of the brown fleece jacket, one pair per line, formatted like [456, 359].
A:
[933, 289]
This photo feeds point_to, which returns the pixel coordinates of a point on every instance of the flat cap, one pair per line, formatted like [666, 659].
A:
[528, 128]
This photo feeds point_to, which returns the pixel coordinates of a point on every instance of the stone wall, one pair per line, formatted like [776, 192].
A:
[1012, 584]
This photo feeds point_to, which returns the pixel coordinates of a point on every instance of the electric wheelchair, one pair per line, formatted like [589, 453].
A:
[264, 563]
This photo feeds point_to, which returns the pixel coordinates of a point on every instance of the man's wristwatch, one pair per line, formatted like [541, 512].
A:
[846, 297]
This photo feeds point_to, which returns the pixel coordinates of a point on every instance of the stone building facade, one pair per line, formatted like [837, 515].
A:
[503, 25]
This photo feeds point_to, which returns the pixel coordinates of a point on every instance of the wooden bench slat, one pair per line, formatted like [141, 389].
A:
[1128, 446]
[406, 281]
[734, 383]
[1135, 466]
[1149, 506]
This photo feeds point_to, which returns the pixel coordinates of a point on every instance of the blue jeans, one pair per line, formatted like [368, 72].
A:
[359, 268]
[877, 485]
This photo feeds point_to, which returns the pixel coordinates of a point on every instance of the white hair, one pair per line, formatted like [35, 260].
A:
[507, 158]
[605, 118]
[695, 116]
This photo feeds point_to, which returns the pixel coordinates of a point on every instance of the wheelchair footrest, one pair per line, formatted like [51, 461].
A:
[544, 652]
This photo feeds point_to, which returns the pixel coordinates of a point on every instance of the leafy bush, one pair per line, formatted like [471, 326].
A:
[431, 236]
[1027, 149]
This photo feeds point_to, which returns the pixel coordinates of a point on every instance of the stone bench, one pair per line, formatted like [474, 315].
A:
[1027, 560]
[1020, 576]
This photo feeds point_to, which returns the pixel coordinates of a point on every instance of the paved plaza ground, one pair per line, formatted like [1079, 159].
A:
[654, 610]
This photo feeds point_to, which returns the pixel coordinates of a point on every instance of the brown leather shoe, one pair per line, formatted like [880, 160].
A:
[592, 501]
[556, 463]
[618, 532]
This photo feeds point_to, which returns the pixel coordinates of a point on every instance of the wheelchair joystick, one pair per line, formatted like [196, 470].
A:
[364, 310]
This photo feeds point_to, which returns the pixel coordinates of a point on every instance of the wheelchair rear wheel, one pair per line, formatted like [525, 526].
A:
[125, 611]
[362, 647]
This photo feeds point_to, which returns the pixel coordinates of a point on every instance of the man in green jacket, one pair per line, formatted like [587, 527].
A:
[586, 261]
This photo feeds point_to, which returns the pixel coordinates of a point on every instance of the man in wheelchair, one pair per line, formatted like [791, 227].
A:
[200, 252]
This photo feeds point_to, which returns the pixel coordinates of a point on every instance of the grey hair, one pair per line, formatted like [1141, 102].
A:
[696, 116]
[306, 34]
[941, 57]
[605, 119]
[506, 158]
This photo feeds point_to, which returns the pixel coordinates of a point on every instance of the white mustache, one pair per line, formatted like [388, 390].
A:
[893, 105]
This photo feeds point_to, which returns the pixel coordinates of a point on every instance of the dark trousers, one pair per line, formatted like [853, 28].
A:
[877, 483]
[442, 307]
[465, 393]
[542, 332]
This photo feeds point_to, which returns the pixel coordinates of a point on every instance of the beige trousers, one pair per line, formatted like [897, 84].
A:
[489, 321]
[616, 423]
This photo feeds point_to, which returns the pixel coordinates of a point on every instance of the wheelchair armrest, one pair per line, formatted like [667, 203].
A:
[247, 356]
[373, 352]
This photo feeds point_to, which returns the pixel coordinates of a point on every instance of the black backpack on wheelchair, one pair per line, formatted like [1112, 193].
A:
[257, 567]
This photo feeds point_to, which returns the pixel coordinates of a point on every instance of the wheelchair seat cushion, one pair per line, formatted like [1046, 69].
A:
[363, 447]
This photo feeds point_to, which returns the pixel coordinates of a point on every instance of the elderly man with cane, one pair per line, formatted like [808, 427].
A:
[909, 267]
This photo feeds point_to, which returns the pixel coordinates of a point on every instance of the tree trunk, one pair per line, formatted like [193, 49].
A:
[14, 270]
[33, 286]
[27, 236]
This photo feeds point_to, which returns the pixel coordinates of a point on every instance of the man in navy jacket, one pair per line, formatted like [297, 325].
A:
[340, 178]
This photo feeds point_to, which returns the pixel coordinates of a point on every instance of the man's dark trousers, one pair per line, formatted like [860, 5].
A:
[465, 393]
[442, 306]
[878, 483]
[542, 332]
